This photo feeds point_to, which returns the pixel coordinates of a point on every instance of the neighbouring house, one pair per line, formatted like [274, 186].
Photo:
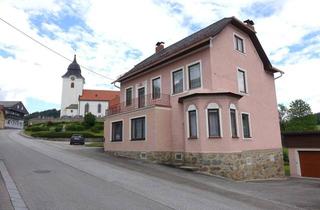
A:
[1, 117]
[207, 102]
[11, 114]
[76, 101]
[303, 152]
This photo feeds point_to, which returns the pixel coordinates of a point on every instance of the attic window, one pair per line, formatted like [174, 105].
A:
[239, 44]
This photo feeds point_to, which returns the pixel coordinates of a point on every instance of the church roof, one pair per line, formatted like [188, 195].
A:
[73, 69]
[98, 95]
[72, 106]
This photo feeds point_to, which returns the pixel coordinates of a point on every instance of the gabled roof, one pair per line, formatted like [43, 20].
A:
[98, 95]
[196, 39]
[73, 69]
[14, 105]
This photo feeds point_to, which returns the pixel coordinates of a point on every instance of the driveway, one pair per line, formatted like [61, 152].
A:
[78, 177]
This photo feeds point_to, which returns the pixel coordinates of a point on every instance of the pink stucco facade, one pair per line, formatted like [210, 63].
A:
[167, 127]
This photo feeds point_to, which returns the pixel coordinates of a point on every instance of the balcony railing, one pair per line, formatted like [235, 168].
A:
[138, 103]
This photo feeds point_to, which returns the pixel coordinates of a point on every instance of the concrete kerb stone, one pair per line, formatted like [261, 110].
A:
[15, 197]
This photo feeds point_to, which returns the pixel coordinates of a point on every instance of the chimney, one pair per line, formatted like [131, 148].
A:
[249, 23]
[159, 46]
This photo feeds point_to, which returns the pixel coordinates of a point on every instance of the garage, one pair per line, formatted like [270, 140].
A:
[303, 152]
[310, 163]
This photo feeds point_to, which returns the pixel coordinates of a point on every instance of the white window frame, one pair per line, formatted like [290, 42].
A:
[232, 106]
[235, 43]
[187, 76]
[146, 128]
[183, 82]
[192, 107]
[125, 95]
[245, 80]
[145, 95]
[213, 106]
[151, 85]
[249, 118]
[110, 129]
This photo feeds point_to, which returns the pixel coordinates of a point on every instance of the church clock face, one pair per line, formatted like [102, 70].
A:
[72, 78]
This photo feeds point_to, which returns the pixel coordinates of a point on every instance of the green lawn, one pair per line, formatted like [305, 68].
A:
[94, 144]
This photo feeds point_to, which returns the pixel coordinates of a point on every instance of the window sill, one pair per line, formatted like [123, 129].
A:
[192, 138]
[138, 139]
[116, 140]
[235, 137]
[242, 53]
[215, 137]
[243, 93]
[247, 138]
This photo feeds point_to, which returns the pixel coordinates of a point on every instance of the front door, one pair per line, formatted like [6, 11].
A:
[141, 97]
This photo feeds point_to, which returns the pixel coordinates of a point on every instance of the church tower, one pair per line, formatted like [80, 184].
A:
[72, 86]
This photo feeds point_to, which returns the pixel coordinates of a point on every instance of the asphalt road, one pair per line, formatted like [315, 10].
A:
[60, 176]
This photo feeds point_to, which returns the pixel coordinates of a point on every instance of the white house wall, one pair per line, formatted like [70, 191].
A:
[12, 123]
[93, 107]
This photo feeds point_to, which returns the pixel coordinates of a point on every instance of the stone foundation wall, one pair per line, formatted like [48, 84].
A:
[247, 165]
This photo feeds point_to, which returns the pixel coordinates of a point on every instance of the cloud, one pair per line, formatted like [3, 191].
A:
[110, 37]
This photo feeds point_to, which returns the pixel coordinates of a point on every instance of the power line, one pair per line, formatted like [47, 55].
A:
[52, 50]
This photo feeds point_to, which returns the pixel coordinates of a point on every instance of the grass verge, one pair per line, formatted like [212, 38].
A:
[94, 144]
[286, 169]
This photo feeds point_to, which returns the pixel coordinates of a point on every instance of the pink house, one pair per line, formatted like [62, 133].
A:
[208, 101]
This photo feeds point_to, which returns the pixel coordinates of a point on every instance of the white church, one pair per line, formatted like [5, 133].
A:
[76, 101]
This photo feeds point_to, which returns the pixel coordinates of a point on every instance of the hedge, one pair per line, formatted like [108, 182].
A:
[35, 129]
[97, 128]
[67, 134]
[74, 127]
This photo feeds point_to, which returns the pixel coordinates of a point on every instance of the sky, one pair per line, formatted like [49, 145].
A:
[110, 37]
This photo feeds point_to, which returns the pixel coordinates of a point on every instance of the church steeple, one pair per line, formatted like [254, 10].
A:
[73, 69]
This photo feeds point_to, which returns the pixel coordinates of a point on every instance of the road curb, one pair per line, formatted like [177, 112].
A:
[15, 197]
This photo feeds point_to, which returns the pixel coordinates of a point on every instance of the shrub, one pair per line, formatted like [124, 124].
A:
[89, 120]
[74, 127]
[97, 128]
[49, 123]
[58, 128]
[35, 129]
[285, 155]
[68, 134]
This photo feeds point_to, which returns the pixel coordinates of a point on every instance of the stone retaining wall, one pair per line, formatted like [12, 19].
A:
[247, 165]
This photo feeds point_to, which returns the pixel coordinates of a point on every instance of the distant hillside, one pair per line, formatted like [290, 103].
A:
[50, 113]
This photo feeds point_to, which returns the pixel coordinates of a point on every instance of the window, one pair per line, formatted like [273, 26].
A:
[116, 131]
[246, 125]
[128, 96]
[242, 81]
[86, 108]
[194, 76]
[177, 81]
[99, 108]
[239, 43]
[72, 85]
[138, 129]
[156, 85]
[214, 123]
[233, 122]
[141, 97]
[192, 122]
